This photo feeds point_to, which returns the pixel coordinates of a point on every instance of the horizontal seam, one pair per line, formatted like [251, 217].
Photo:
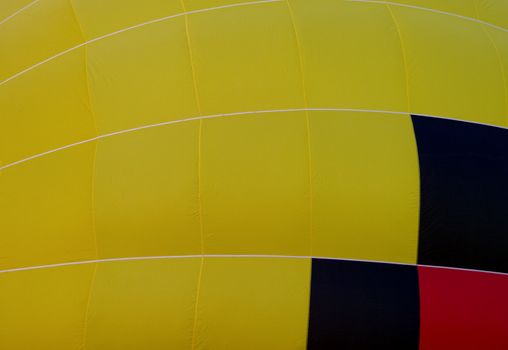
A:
[233, 114]
[218, 8]
[232, 256]
[11, 16]
[130, 28]
[432, 10]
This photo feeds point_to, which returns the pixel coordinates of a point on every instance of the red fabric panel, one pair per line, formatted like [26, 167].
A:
[463, 310]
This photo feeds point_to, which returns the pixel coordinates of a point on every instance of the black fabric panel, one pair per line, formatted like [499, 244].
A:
[464, 194]
[359, 305]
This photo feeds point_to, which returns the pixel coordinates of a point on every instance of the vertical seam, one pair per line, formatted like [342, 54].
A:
[196, 304]
[93, 179]
[88, 303]
[198, 105]
[199, 180]
[404, 56]
[408, 99]
[307, 126]
[499, 59]
[202, 249]
[307, 122]
[96, 131]
[419, 191]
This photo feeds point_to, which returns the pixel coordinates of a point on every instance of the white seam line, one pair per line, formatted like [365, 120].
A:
[18, 11]
[463, 269]
[130, 28]
[432, 10]
[237, 256]
[213, 9]
[233, 114]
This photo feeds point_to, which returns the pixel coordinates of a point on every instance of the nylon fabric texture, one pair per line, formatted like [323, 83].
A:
[227, 174]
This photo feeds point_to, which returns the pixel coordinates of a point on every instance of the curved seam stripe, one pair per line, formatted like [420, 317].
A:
[233, 114]
[96, 132]
[93, 183]
[88, 304]
[307, 120]
[199, 181]
[223, 7]
[501, 66]
[11, 16]
[301, 65]
[403, 54]
[432, 10]
[235, 256]
[196, 302]
[130, 28]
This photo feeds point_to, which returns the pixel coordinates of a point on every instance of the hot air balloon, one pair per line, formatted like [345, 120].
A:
[272, 174]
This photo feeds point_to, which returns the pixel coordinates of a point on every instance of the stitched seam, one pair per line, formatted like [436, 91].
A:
[431, 10]
[232, 256]
[88, 302]
[96, 131]
[93, 180]
[307, 120]
[307, 126]
[230, 115]
[17, 12]
[131, 28]
[199, 180]
[196, 304]
[408, 97]
[404, 56]
[499, 59]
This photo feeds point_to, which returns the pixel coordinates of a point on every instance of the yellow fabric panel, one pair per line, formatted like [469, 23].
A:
[255, 184]
[500, 42]
[141, 77]
[45, 108]
[494, 11]
[9, 8]
[453, 70]
[192, 5]
[46, 207]
[366, 186]
[352, 55]
[249, 61]
[143, 305]
[99, 17]
[253, 304]
[459, 7]
[147, 192]
[44, 309]
[40, 31]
